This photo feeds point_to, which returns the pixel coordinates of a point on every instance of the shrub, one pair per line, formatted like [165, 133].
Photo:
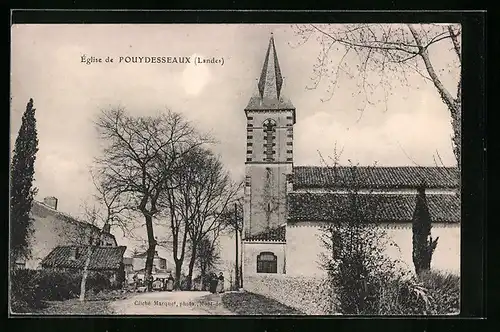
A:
[56, 285]
[98, 282]
[30, 288]
[403, 296]
[24, 293]
[431, 293]
[444, 289]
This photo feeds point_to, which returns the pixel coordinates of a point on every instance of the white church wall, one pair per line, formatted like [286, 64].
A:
[304, 247]
[252, 249]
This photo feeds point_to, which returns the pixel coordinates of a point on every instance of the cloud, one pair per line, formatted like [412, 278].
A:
[195, 76]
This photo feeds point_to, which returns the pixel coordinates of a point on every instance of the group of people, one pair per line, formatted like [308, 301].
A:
[216, 283]
[156, 284]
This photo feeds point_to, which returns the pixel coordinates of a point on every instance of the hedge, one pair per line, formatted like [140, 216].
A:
[31, 288]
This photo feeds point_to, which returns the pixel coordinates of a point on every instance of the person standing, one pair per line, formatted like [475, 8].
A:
[220, 283]
[213, 283]
[135, 278]
[170, 283]
[150, 283]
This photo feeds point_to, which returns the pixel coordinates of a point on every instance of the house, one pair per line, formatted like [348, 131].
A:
[104, 259]
[286, 205]
[52, 228]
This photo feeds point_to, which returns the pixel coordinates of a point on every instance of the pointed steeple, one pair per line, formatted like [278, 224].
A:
[270, 81]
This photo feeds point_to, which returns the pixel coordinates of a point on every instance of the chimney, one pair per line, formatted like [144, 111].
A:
[106, 228]
[51, 201]
[74, 253]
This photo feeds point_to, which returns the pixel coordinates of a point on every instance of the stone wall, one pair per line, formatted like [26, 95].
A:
[310, 295]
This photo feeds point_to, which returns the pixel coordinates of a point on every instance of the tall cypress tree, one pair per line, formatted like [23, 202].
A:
[423, 244]
[21, 184]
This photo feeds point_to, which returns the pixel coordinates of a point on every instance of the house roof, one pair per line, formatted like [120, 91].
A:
[400, 177]
[103, 258]
[275, 235]
[145, 254]
[377, 207]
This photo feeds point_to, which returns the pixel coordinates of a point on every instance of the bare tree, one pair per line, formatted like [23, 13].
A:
[207, 258]
[140, 155]
[106, 212]
[385, 54]
[233, 218]
[202, 195]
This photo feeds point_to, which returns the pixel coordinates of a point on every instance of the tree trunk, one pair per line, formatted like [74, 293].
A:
[192, 260]
[151, 249]
[203, 273]
[178, 269]
[85, 275]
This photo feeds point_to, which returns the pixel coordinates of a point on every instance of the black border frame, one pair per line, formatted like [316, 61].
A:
[473, 171]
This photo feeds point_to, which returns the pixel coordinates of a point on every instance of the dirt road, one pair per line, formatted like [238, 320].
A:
[171, 303]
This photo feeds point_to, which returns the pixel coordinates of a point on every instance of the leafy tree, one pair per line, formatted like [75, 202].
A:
[21, 185]
[377, 56]
[423, 243]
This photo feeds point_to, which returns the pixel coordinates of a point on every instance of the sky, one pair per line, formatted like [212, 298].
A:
[46, 65]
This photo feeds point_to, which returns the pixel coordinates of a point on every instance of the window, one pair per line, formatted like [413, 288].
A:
[267, 262]
[289, 159]
[250, 117]
[249, 151]
[249, 159]
[289, 151]
[249, 144]
[249, 125]
[249, 137]
[289, 143]
[289, 118]
[269, 128]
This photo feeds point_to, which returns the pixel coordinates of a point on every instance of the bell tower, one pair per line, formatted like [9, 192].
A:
[269, 158]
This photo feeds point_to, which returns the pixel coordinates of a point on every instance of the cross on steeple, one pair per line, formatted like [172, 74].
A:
[270, 81]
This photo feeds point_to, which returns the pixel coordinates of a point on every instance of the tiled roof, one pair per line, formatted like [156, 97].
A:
[276, 235]
[375, 177]
[381, 207]
[103, 258]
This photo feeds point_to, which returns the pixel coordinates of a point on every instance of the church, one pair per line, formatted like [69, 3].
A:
[285, 205]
